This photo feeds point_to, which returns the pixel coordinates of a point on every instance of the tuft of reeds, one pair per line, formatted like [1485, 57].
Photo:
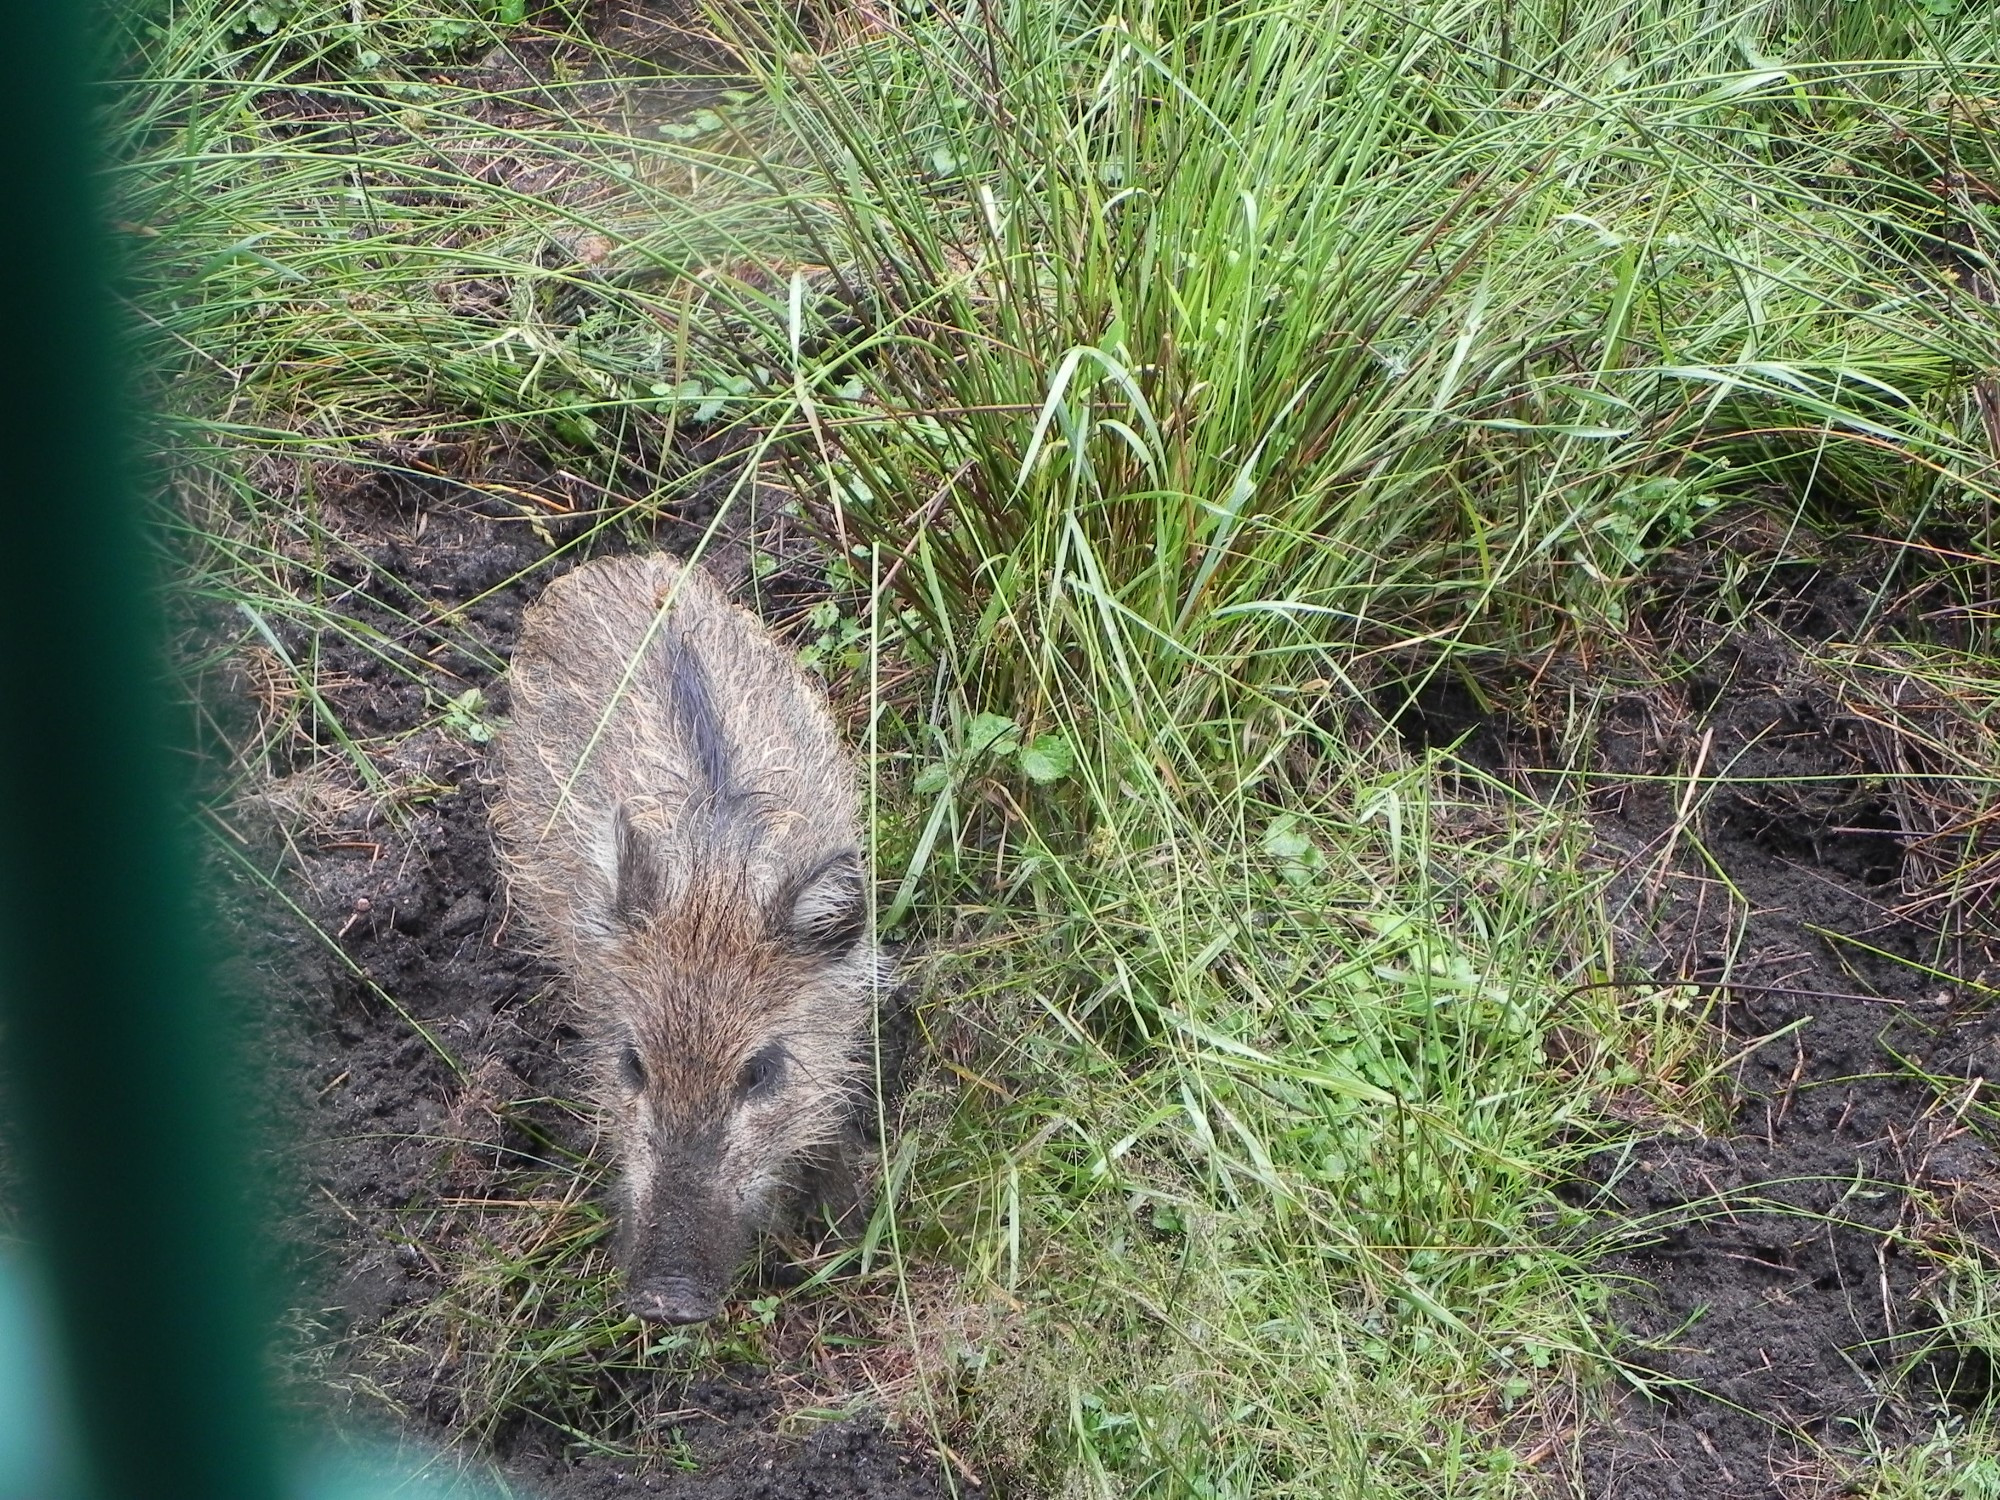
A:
[1277, 335]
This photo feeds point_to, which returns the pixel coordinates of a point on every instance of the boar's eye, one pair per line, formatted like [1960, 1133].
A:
[632, 1069]
[761, 1071]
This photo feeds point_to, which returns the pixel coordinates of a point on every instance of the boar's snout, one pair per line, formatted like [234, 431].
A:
[683, 1241]
[673, 1299]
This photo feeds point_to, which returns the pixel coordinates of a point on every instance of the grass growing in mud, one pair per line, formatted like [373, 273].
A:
[1261, 366]
[1179, 392]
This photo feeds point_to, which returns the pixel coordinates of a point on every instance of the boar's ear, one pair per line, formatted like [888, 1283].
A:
[824, 910]
[638, 884]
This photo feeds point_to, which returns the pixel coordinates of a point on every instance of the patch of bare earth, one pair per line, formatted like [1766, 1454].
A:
[1780, 1278]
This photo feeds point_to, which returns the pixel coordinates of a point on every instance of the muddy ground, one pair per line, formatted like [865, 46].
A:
[1780, 1272]
[1780, 1276]
[426, 1067]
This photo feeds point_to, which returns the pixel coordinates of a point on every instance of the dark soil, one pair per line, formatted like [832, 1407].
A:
[424, 1062]
[1780, 1281]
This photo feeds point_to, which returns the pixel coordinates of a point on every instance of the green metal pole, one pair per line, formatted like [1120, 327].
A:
[110, 1029]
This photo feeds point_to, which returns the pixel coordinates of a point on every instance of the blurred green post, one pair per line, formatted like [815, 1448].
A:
[110, 1031]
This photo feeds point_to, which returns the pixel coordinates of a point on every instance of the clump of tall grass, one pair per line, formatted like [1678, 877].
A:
[1278, 331]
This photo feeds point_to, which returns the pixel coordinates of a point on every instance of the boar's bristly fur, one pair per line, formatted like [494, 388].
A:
[678, 820]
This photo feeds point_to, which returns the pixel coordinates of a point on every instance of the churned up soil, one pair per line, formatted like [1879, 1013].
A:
[427, 1066]
[1780, 1276]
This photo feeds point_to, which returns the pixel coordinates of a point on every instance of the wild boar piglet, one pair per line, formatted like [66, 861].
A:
[678, 824]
